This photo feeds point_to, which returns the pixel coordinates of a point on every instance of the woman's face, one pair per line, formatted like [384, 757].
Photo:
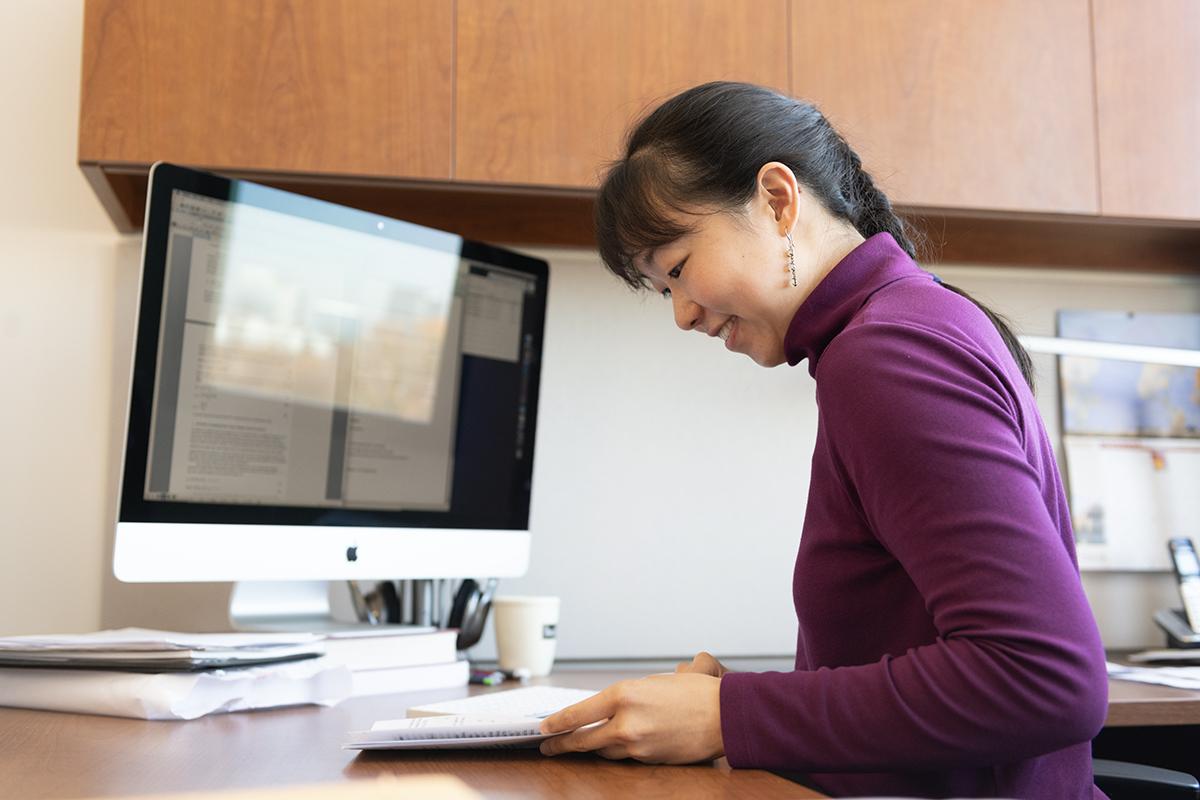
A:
[730, 277]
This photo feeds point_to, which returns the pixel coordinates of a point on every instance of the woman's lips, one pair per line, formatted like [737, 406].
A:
[727, 331]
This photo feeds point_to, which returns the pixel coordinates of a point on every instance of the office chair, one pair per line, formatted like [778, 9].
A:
[1121, 780]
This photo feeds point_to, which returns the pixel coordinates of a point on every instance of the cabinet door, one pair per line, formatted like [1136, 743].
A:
[958, 103]
[1148, 106]
[546, 89]
[311, 86]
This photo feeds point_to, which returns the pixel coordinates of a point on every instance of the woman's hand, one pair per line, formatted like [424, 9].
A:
[703, 663]
[662, 719]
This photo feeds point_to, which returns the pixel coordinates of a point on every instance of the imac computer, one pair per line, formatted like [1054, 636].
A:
[321, 393]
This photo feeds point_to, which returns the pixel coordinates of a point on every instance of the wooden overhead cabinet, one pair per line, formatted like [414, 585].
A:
[1148, 105]
[495, 118]
[958, 104]
[546, 89]
[358, 88]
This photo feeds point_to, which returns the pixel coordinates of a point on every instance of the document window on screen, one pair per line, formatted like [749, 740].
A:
[305, 364]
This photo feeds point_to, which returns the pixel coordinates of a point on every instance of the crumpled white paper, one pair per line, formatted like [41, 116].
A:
[179, 695]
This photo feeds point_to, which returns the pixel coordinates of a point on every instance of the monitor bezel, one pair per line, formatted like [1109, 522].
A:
[135, 512]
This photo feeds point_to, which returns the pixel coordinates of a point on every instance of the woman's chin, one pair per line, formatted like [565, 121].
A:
[768, 359]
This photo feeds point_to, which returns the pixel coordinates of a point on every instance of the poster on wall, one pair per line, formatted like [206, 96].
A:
[1131, 440]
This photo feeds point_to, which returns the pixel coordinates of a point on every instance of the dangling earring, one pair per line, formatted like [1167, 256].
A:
[791, 257]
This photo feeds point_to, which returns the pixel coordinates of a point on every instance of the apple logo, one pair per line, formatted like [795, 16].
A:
[352, 553]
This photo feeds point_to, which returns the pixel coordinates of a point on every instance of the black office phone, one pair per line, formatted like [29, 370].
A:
[1182, 625]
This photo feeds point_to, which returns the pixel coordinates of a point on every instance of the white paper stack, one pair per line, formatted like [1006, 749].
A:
[448, 733]
[175, 695]
[495, 720]
[140, 649]
[1178, 656]
[1178, 677]
[149, 674]
[390, 659]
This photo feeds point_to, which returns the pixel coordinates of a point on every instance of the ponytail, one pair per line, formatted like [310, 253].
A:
[871, 212]
[1003, 327]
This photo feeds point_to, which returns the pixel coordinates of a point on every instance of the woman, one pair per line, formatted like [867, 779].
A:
[945, 644]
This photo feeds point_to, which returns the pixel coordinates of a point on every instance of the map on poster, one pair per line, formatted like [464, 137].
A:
[1131, 440]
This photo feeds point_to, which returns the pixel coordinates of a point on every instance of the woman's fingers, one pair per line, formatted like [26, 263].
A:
[667, 718]
[590, 724]
[598, 707]
[593, 737]
[704, 663]
[614, 753]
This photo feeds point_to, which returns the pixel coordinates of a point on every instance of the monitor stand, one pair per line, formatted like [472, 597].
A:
[307, 606]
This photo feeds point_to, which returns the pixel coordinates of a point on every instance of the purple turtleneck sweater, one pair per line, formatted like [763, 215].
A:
[945, 646]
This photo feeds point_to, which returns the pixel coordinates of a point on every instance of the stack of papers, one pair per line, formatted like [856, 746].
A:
[387, 659]
[448, 733]
[149, 674]
[1178, 656]
[1178, 677]
[495, 720]
[142, 650]
[175, 695]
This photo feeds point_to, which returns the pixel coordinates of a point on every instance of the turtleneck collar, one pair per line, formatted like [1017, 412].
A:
[865, 270]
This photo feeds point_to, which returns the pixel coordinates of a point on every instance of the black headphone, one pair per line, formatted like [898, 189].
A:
[468, 613]
[470, 610]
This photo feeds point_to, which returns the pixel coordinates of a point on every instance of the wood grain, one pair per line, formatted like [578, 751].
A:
[1140, 704]
[547, 89]
[483, 212]
[975, 116]
[353, 87]
[955, 103]
[1059, 241]
[540, 216]
[47, 754]
[1148, 106]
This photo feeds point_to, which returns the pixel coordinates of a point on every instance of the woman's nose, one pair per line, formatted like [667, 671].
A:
[687, 313]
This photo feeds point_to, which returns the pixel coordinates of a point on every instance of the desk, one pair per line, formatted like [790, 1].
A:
[1142, 704]
[46, 754]
[1153, 725]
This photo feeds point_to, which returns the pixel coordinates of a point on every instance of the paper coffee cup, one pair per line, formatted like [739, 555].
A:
[526, 633]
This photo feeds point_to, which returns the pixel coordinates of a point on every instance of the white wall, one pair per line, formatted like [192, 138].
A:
[670, 477]
[58, 262]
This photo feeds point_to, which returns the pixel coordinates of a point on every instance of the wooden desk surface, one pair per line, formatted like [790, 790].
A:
[44, 754]
[1131, 704]
[52, 755]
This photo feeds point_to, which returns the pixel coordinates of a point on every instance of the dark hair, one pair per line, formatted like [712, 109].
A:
[704, 147]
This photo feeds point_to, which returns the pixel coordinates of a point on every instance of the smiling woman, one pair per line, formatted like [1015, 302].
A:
[945, 645]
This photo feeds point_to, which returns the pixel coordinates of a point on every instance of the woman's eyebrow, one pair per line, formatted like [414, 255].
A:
[648, 257]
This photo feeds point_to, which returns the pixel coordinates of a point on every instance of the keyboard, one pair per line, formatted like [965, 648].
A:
[538, 702]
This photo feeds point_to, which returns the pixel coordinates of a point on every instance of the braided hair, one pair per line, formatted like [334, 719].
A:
[704, 148]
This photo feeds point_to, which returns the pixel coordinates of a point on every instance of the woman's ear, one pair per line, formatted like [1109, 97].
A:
[779, 190]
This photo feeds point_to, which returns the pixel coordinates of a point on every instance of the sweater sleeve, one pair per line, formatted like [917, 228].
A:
[927, 436]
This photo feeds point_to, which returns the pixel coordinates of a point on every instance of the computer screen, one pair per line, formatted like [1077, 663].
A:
[323, 392]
